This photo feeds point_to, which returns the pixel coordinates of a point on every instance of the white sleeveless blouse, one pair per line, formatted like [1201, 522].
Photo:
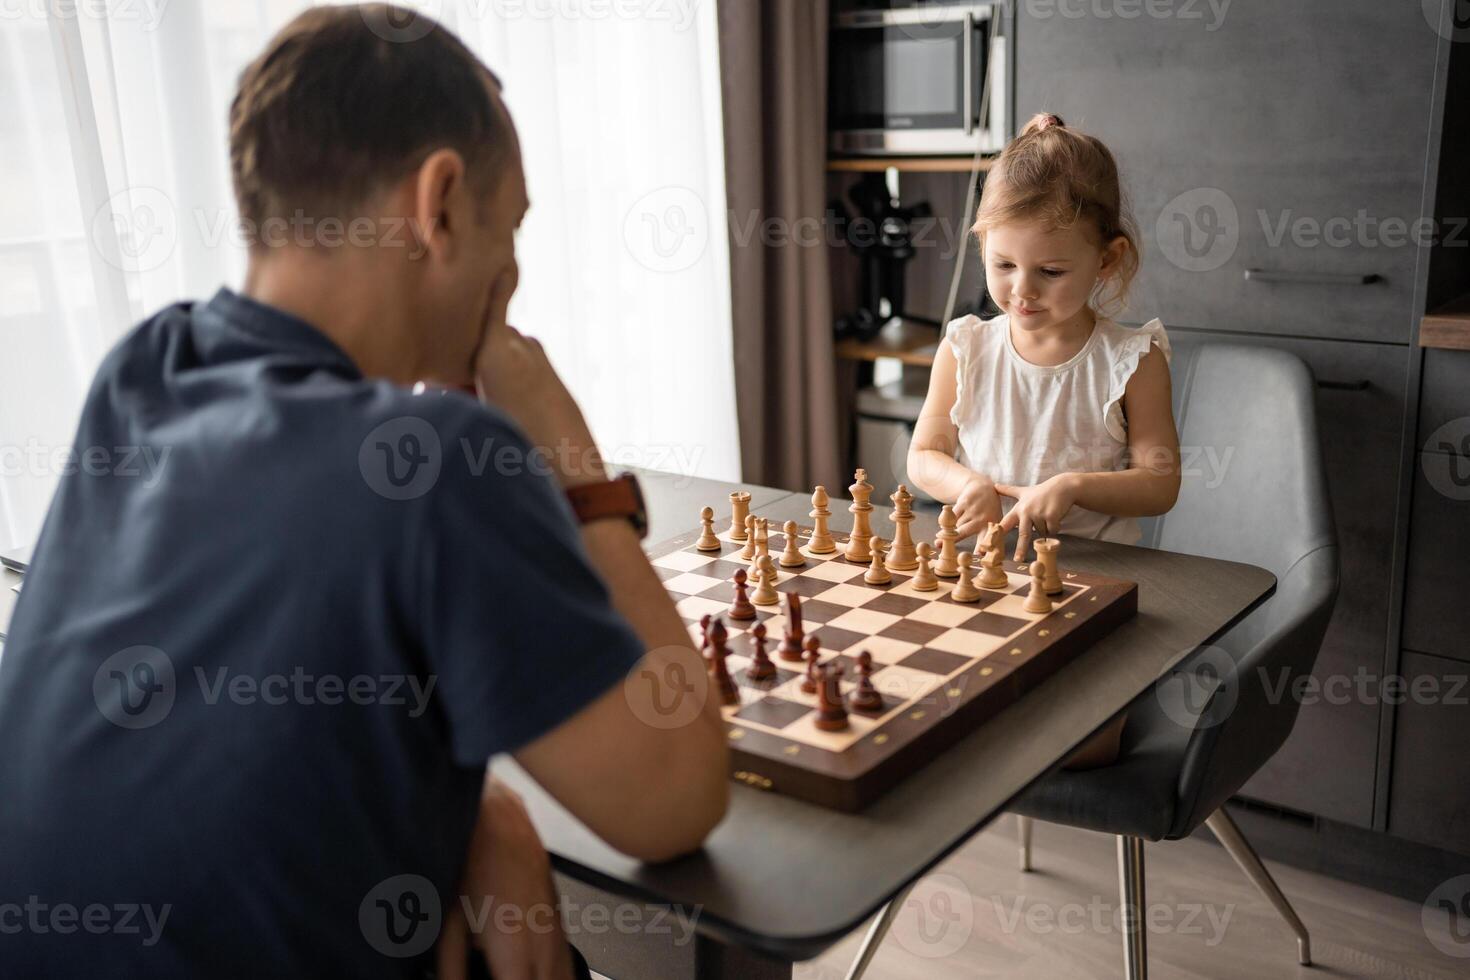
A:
[1021, 423]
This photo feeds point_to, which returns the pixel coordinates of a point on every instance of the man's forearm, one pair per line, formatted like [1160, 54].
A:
[641, 598]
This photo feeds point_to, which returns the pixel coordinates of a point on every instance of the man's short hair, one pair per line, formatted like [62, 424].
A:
[336, 109]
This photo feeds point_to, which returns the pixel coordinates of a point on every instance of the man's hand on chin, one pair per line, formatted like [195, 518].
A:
[514, 374]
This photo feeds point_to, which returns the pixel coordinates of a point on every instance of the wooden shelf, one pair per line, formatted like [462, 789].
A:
[929, 165]
[1448, 327]
[906, 341]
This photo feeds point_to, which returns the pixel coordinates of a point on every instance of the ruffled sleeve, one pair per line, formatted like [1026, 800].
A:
[1124, 361]
[961, 337]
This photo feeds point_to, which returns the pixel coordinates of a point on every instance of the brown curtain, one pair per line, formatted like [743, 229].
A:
[773, 68]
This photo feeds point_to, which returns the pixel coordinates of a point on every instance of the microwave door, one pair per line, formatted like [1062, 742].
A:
[897, 78]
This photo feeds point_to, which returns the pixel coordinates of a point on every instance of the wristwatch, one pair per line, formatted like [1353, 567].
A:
[619, 497]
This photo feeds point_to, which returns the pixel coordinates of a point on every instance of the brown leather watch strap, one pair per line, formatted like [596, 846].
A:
[618, 497]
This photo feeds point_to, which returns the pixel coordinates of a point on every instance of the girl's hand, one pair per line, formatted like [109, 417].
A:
[1041, 507]
[977, 505]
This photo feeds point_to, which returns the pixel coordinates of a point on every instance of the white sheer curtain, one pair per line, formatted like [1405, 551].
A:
[115, 200]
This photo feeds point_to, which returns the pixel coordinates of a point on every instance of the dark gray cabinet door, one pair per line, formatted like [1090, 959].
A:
[1430, 795]
[1437, 584]
[1444, 400]
[1328, 765]
[1285, 137]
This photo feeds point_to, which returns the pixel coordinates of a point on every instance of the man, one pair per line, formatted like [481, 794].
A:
[245, 710]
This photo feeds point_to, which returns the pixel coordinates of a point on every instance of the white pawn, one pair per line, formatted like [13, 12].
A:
[877, 573]
[792, 556]
[748, 552]
[1037, 601]
[765, 593]
[707, 539]
[925, 580]
[965, 591]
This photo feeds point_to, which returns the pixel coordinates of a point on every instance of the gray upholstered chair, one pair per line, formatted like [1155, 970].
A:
[1199, 734]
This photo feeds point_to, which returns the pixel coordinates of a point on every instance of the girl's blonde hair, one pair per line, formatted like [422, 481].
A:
[1060, 176]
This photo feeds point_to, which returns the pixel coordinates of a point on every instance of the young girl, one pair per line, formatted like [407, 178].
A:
[1061, 417]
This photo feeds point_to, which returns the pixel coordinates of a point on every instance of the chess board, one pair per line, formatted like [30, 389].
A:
[943, 667]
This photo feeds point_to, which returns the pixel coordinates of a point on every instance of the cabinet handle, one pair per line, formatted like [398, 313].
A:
[1343, 385]
[1311, 278]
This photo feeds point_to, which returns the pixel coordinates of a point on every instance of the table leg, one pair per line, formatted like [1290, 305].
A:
[627, 939]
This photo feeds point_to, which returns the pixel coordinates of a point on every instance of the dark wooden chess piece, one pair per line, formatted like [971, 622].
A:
[790, 648]
[866, 697]
[761, 668]
[742, 607]
[809, 682]
[704, 635]
[719, 670]
[831, 714]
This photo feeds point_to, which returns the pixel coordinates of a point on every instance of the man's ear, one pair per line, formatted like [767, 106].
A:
[438, 216]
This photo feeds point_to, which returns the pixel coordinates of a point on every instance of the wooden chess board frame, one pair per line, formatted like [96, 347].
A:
[943, 667]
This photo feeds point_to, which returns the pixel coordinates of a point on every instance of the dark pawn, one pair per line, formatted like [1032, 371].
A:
[866, 697]
[761, 668]
[704, 635]
[809, 683]
[831, 715]
[720, 671]
[790, 648]
[741, 608]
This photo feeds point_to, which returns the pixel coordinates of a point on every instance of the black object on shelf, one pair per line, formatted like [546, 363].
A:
[881, 235]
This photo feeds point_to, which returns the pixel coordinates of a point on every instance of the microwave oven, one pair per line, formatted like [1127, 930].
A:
[926, 80]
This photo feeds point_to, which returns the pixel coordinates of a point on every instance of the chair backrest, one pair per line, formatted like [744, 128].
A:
[1254, 490]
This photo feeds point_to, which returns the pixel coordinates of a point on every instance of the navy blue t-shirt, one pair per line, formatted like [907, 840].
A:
[275, 625]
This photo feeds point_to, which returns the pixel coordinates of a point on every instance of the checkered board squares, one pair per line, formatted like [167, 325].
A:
[942, 666]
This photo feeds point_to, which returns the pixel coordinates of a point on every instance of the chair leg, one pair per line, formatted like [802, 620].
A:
[1023, 834]
[876, 932]
[1131, 891]
[1229, 835]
